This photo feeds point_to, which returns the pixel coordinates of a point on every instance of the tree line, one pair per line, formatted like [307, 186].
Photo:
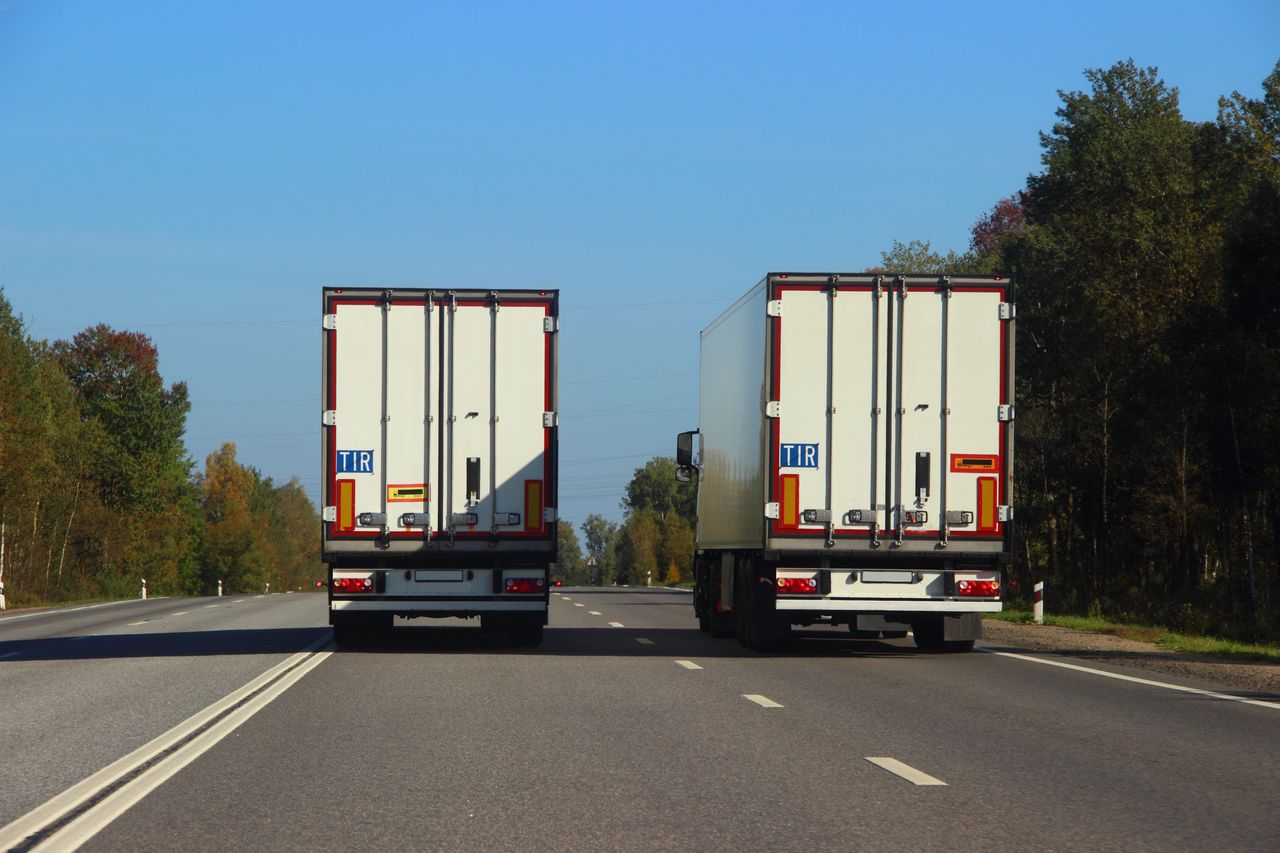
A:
[1146, 255]
[97, 491]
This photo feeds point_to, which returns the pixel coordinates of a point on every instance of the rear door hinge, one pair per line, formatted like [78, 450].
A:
[1004, 513]
[330, 417]
[330, 513]
[773, 409]
[330, 321]
[774, 308]
[772, 509]
[1008, 310]
[548, 515]
[550, 419]
[550, 324]
[1004, 413]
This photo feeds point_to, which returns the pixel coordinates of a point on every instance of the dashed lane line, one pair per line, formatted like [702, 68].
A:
[644, 641]
[1135, 680]
[135, 624]
[617, 625]
[687, 664]
[762, 701]
[8, 655]
[905, 771]
[207, 606]
[594, 612]
[180, 613]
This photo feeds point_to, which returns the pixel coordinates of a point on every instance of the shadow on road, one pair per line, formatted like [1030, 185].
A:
[263, 641]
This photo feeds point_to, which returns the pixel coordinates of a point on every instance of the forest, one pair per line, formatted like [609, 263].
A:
[97, 492]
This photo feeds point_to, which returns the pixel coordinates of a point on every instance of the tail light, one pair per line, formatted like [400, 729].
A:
[978, 589]
[525, 585]
[353, 584]
[796, 586]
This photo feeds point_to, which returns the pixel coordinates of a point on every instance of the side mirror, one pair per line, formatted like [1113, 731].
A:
[684, 456]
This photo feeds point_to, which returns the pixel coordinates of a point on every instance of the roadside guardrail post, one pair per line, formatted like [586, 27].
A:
[219, 589]
[144, 589]
[1037, 605]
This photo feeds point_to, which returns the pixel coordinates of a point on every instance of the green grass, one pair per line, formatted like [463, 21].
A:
[1172, 640]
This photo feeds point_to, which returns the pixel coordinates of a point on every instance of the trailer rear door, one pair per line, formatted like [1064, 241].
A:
[892, 416]
[440, 418]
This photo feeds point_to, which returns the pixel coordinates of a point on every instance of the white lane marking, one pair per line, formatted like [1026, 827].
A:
[762, 701]
[687, 664]
[8, 655]
[56, 809]
[264, 595]
[181, 613]
[906, 771]
[207, 606]
[576, 604]
[644, 641]
[132, 624]
[1194, 690]
[70, 609]
[594, 612]
[616, 624]
[567, 597]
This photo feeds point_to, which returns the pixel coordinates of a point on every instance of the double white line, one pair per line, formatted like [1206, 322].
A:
[83, 810]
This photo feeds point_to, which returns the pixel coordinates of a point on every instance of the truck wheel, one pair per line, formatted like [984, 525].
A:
[928, 635]
[719, 625]
[525, 632]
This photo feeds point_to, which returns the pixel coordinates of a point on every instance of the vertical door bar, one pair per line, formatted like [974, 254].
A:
[831, 411]
[493, 413]
[449, 415]
[875, 405]
[901, 409]
[386, 323]
[944, 464]
[426, 414]
[889, 410]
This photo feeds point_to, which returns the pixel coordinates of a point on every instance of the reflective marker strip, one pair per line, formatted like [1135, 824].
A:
[346, 506]
[687, 664]
[905, 771]
[532, 504]
[986, 504]
[789, 514]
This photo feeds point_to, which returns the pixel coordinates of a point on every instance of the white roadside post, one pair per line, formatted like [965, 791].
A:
[1037, 605]
[268, 592]
[648, 578]
[144, 589]
[219, 589]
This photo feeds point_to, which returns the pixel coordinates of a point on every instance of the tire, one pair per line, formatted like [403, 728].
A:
[525, 632]
[347, 635]
[929, 638]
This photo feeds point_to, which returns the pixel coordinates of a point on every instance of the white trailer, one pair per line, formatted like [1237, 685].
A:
[854, 457]
[439, 457]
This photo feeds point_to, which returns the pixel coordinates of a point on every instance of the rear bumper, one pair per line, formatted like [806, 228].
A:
[894, 605]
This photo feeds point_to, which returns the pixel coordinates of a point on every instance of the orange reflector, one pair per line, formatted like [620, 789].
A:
[532, 504]
[346, 506]
[789, 509]
[987, 503]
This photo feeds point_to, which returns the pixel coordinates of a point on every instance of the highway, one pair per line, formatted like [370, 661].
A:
[626, 729]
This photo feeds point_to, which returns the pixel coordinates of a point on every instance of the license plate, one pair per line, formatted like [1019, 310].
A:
[438, 576]
[888, 577]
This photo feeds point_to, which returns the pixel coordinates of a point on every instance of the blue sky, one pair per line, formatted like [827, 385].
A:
[198, 171]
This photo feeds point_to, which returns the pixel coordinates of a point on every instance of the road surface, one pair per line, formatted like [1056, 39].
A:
[626, 729]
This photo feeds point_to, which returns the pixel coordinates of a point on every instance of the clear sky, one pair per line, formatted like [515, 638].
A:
[197, 171]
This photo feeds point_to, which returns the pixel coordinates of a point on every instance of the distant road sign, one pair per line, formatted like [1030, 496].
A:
[591, 561]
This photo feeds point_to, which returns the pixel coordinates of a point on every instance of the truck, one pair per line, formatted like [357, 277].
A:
[854, 458]
[439, 447]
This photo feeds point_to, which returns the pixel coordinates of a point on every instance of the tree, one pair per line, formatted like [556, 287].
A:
[570, 566]
[917, 257]
[638, 548]
[236, 550]
[601, 537]
[654, 486]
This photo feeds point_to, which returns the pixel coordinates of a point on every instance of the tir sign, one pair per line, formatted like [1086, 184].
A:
[355, 461]
[797, 456]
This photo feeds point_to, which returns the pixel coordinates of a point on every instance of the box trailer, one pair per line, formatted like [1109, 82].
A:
[854, 457]
[439, 457]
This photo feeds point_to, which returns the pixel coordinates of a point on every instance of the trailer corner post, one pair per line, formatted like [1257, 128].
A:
[1037, 606]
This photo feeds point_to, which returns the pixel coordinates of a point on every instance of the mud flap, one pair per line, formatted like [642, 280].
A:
[962, 626]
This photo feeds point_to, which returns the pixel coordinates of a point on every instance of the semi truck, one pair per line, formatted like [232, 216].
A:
[439, 447]
[854, 458]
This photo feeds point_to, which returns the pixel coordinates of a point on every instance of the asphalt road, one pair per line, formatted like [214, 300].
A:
[626, 729]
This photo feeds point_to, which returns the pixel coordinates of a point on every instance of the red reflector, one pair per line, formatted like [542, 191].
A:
[525, 584]
[353, 585]
[978, 589]
[797, 586]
